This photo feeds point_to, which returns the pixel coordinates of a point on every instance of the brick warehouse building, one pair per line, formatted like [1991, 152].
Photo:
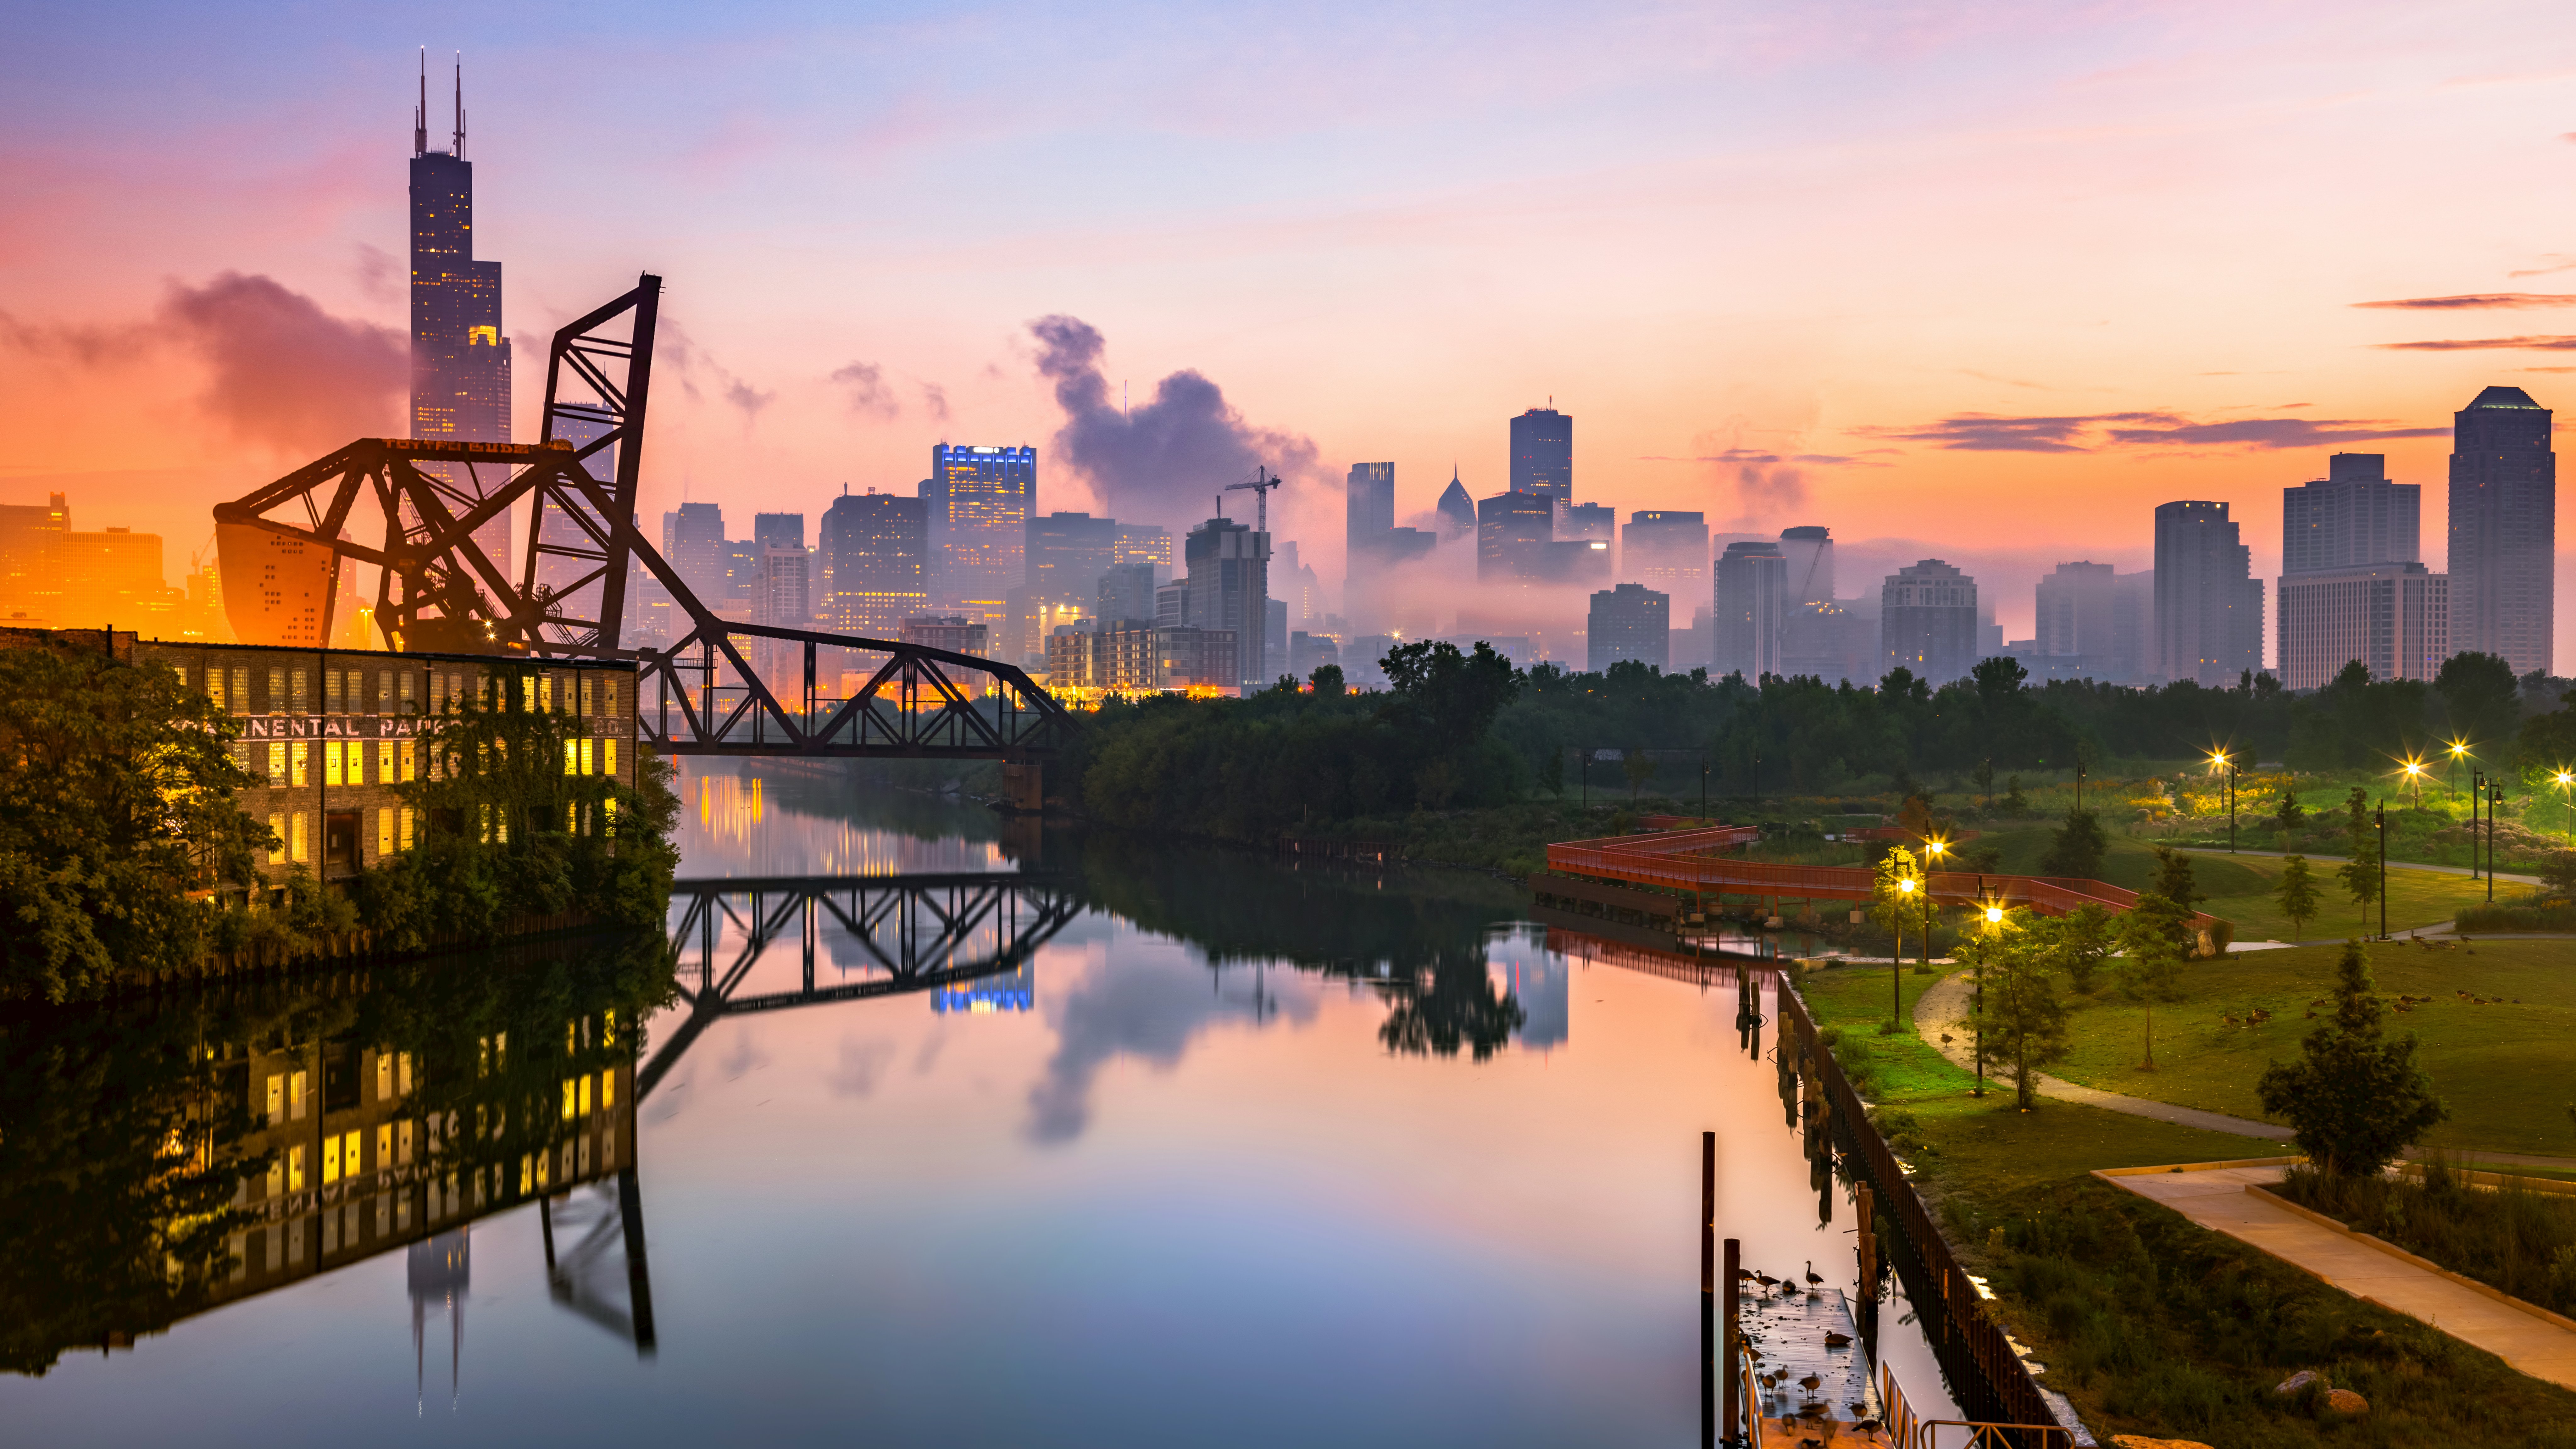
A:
[332, 730]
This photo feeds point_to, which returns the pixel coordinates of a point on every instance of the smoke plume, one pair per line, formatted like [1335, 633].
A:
[1165, 461]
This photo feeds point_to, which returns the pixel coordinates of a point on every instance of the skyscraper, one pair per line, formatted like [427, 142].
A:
[2353, 515]
[1543, 454]
[693, 542]
[1809, 548]
[460, 353]
[1751, 606]
[2504, 528]
[875, 550]
[775, 533]
[1228, 587]
[1457, 511]
[2078, 610]
[1147, 543]
[1630, 622]
[1066, 554]
[1512, 534]
[1666, 550]
[978, 501]
[2209, 605]
[1927, 621]
[1368, 507]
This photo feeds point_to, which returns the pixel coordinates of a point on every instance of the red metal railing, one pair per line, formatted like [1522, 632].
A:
[1674, 859]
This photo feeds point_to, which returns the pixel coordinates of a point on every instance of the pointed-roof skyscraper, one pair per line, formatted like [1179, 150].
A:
[460, 353]
[1457, 511]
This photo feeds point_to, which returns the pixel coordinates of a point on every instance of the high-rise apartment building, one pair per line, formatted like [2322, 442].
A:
[460, 352]
[1543, 454]
[780, 600]
[875, 564]
[1066, 553]
[2076, 622]
[28, 535]
[773, 533]
[979, 500]
[1750, 608]
[2354, 515]
[1126, 595]
[1229, 587]
[1927, 621]
[2392, 618]
[1666, 550]
[1628, 623]
[1149, 543]
[2504, 529]
[2209, 605]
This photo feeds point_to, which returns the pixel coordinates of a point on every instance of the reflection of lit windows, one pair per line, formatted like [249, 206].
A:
[276, 1099]
[402, 1143]
[607, 1090]
[295, 1095]
[569, 1096]
[585, 1096]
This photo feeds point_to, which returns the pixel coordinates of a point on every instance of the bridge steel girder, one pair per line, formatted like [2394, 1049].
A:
[436, 579]
[766, 909]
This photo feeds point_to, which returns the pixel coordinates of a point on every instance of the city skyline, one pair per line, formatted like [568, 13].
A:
[2104, 401]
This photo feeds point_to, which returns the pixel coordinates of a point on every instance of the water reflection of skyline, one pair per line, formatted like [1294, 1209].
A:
[801, 819]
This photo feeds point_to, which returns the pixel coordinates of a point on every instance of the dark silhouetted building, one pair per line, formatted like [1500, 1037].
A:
[1126, 595]
[1543, 454]
[1368, 506]
[1751, 607]
[875, 564]
[978, 501]
[1513, 531]
[1228, 589]
[1667, 551]
[1927, 621]
[2209, 605]
[2504, 529]
[1457, 511]
[460, 352]
[1630, 622]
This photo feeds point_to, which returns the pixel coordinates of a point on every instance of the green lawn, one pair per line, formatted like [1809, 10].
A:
[2505, 1068]
[2240, 887]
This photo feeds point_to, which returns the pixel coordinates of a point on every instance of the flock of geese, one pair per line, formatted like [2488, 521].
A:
[1813, 1410]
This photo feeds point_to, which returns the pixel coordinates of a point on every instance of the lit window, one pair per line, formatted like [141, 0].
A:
[585, 694]
[409, 755]
[385, 830]
[330, 691]
[297, 756]
[546, 693]
[385, 762]
[572, 757]
[295, 833]
[277, 691]
[331, 761]
[587, 754]
[241, 691]
[406, 828]
[609, 685]
[295, 690]
[608, 757]
[277, 833]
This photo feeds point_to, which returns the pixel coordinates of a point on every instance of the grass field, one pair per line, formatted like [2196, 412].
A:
[2240, 887]
[2149, 1323]
[2505, 1067]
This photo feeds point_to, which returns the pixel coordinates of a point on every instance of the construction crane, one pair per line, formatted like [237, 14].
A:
[1261, 482]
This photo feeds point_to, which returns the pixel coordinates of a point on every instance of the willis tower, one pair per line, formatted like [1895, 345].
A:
[460, 356]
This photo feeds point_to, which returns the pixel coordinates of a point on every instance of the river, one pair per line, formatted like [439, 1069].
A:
[1160, 1145]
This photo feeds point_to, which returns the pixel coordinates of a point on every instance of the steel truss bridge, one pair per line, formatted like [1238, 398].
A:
[714, 686]
[917, 933]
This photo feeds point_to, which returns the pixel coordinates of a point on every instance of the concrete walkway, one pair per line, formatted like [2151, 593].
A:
[1940, 1009]
[2216, 1198]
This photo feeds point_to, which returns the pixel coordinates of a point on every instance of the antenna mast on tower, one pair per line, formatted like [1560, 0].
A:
[459, 151]
[420, 114]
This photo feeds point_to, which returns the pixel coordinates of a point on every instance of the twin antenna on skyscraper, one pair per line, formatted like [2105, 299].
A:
[420, 116]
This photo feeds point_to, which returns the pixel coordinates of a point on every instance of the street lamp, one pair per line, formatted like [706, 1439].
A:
[2477, 795]
[2450, 776]
[1896, 962]
[2218, 761]
[2567, 802]
[1994, 914]
[1933, 848]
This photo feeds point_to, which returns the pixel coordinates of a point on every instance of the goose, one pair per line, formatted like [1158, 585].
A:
[1812, 1382]
[1837, 1340]
[1812, 1275]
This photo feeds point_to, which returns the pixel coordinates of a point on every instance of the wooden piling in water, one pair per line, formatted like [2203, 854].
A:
[1710, 1367]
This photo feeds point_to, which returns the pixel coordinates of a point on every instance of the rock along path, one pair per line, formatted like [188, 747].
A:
[1945, 1003]
[2216, 1198]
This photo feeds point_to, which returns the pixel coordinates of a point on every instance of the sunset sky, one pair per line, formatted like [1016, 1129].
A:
[1982, 280]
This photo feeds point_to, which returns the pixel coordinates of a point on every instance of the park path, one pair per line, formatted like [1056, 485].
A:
[1944, 1004]
[2216, 1197]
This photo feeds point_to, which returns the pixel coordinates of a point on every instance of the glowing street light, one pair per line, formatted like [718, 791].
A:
[2218, 760]
[2450, 776]
[1934, 848]
[2414, 771]
[1896, 961]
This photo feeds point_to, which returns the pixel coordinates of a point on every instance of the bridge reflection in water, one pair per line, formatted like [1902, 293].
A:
[853, 937]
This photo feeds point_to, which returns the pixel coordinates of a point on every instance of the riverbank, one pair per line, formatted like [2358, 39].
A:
[2148, 1323]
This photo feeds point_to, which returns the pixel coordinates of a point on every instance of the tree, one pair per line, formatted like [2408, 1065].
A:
[1328, 681]
[1456, 694]
[2355, 1099]
[1551, 771]
[2075, 848]
[2297, 893]
[1894, 905]
[2155, 939]
[2173, 879]
[1639, 769]
[2289, 816]
[2023, 1015]
[2478, 693]
[116, 801]
[2081, 940]
[2016, 804]
[1985, 778]
[2558, 874]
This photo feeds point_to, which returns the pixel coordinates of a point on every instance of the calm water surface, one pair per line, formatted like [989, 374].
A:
[1223, 1153]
